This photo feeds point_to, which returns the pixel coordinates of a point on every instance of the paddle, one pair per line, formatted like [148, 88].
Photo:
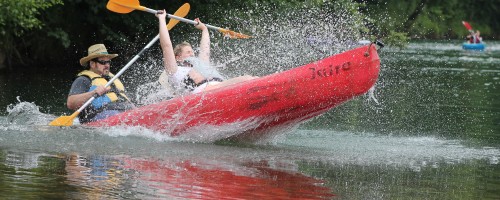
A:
[469, 28]
[68, 120]
[126, 6]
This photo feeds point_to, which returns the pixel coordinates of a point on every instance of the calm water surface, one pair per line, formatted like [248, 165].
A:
[432, 131]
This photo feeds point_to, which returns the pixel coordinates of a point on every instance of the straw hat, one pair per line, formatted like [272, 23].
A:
[95, 51]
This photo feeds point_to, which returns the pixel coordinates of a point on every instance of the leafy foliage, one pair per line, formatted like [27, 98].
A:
[17, 18]
[437, 19]
[28, 27]
[397, 39]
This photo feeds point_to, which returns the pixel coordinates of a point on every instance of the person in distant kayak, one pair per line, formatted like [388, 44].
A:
[90, 82]
[186, 73]
[474, 38]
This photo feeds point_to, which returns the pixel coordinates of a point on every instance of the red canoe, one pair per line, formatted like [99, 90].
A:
[257, 108]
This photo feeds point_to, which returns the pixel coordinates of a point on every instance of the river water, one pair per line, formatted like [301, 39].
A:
[430, 130]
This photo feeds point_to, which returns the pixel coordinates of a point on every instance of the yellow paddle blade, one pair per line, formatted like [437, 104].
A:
[118, 8]
[233, 34]
[64, 120]
[181, 12]
[124, 6]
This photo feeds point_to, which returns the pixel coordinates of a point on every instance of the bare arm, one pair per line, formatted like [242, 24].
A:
[77, 100]
[204, 42]
[166, 45]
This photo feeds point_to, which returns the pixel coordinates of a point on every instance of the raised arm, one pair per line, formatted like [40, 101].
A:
[166, 45]
[204, 42]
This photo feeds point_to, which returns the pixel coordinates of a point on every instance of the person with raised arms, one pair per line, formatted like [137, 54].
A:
[186, 73]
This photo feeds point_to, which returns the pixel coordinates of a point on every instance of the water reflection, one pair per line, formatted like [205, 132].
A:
[194, 179]
[475, 179]
[33, 175]
[96, 177]
[111, 177]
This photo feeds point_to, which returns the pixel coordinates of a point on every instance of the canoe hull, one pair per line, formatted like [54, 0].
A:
[470, 46]
[277, 100]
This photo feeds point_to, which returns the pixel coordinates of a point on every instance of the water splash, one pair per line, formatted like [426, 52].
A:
[26, 113]
[150, 93]
[279, 40]
[283, 40]
[120, 131]
[371, 95]
[210, 133]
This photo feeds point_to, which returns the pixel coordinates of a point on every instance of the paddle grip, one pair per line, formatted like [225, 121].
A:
[149, 10]
[191, 21]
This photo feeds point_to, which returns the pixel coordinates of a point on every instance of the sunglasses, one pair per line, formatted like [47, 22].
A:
[103, 62]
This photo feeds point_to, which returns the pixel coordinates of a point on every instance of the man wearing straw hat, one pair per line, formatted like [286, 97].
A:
[90, 82]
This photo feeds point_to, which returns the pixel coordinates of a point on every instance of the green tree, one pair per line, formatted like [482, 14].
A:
[28, 27]
[17, 18]
[437, 19]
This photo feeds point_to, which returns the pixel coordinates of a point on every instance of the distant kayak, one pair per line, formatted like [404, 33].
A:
[473, 46]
